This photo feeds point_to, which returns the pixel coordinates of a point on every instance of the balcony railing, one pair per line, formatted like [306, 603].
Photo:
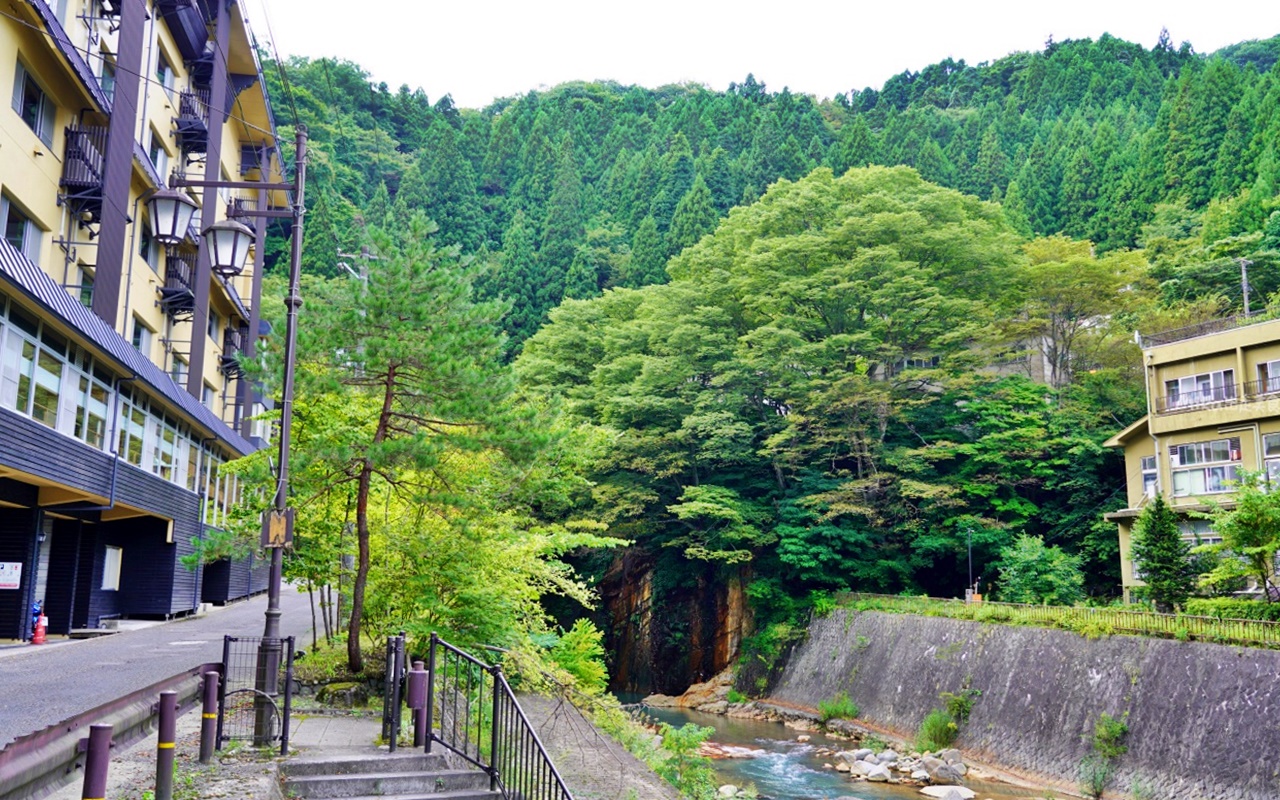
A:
[178, 296]
[1204, 328]
[193, 120]
[1204, 398]
[234, 341]
[83, 168]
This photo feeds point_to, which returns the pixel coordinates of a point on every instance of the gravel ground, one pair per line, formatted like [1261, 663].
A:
[234, 774]
[594, 766]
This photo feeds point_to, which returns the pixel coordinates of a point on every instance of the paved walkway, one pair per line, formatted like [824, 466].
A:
[45, 684]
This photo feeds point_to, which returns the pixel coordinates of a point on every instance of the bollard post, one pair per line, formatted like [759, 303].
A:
[167, 736]
[96, 762]
[416, 692]
[209, 718]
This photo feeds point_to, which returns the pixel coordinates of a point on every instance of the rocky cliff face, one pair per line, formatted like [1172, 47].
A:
[664, 638]
[1202, 718]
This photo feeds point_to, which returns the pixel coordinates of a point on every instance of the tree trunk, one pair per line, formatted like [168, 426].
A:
[311, 593]
[355, 660]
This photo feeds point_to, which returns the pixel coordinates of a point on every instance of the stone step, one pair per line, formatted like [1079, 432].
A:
[362, 764]
[416, 783]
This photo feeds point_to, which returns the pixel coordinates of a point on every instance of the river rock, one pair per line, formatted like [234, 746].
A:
[920, 775]
[728, 790]
[878, 773]
[860, 768]
[660, 701]
[945, 775]
[803, 738]
[858, 755]
[841, 767]
[887, 757]
[948, 792]
[951, 755]
[718, 707]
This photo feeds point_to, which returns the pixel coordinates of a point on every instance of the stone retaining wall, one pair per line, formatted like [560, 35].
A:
[1204, 720]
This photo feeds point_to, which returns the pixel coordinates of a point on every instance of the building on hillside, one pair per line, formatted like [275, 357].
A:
[1213, 400]
[121, 391]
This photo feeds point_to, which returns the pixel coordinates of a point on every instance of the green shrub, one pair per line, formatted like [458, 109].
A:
[736, 696]
[1095, 774]
[937, 731]
[684, 768]
[1233, 608]
[873, 742]
[959, 706]
[1108, 736]
[838, 707]
[580, 652]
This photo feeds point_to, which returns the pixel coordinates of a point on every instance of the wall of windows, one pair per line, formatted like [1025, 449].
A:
[59, 384]
[1204, 467]
[1195, 390]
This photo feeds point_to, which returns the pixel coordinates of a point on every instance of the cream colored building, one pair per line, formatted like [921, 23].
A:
[1213, 400]
[121, 391]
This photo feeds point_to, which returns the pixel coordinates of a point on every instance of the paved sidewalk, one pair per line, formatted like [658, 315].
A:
[334, 733]
[41, 685]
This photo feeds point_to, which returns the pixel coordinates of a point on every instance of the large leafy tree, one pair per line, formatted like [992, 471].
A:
[1250, 531]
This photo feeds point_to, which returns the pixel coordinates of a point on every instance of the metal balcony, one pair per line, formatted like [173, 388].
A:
[178, 297]
[234, 342]
[83, 168]
[192, 122]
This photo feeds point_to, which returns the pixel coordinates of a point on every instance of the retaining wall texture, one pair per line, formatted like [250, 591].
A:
[1204, 720]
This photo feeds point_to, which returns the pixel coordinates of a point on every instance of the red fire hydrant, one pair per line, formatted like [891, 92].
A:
[42, 622]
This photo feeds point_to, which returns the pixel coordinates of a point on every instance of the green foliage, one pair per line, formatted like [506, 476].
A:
[580, 652]
[838, 707]
[683, 768]
[1250, 531]
[737, 697]
[1108, 736]
[1232, 608]
[936, 732]
[1030, 572]
[1095, 776]
[960, 704]
[1162, 556]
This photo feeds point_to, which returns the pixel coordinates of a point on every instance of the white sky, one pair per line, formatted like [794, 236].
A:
[479, 50]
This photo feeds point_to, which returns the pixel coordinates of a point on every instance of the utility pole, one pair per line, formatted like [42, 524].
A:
[1244, 283]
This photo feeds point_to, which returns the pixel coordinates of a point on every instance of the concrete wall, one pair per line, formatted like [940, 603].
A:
[1204, 720]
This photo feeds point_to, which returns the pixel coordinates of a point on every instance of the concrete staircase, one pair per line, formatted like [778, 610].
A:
[365, 775]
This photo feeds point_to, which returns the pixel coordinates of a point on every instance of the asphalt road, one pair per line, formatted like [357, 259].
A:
[41, 686]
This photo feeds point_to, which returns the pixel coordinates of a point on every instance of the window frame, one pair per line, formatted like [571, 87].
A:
[45, 120]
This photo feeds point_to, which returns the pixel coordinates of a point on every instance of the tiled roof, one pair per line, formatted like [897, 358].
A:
[30, 281]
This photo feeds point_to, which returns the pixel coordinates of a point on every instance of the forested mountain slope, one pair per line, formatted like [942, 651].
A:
[803, 327]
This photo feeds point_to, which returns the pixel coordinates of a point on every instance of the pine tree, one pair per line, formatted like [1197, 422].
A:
[580, 280]
[648, 256]
[677, 177]
[517, 280]
[694, 218]
[563, 228]
[1162, 557]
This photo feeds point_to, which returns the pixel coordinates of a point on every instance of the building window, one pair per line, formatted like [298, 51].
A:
[19, 230]
[164, 72]
[148, 247]
[1271, 456]
[159, 156]
[133, 428]
[111, 568]
[1269, 377]
[1194, 390]
[179, 371]
[141, 337]
[213, 326]
[1150, 477]
[107, 77]
[91, 411]
[1214, 466]
[33, 105]
[208, 396]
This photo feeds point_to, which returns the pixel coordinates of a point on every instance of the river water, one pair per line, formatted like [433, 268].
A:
[786, 769]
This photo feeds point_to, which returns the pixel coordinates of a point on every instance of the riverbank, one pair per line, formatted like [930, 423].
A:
[1199, 717]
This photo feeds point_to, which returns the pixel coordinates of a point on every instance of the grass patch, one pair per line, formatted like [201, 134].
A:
[737, 697]
[937, 731]
[838, 707]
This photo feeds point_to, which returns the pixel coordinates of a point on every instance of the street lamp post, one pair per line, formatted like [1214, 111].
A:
[227, 243]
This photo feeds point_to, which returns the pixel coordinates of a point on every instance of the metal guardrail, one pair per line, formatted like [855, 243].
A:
[251, 705]
[33, 765]
[472, 711]
[1203, 328]
[1248, 632]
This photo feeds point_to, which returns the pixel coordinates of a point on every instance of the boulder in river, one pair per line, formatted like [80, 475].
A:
[948, 792]
[728, 790]
[878, 773]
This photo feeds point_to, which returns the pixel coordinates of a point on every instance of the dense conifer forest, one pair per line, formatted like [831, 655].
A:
[800, 330]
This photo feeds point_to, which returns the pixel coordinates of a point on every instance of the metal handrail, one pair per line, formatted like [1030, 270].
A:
[1203, 328]
[471, 707]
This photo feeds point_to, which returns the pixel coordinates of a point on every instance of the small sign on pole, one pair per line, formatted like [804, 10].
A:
[277, 528]
[10, 574]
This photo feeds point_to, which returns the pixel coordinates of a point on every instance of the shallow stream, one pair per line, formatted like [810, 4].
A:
[785, 769]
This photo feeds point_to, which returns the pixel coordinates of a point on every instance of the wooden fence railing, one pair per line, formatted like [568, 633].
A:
[1089, 621]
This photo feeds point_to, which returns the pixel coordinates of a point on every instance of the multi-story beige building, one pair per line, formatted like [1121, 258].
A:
[121, 391]
[1213, 400]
